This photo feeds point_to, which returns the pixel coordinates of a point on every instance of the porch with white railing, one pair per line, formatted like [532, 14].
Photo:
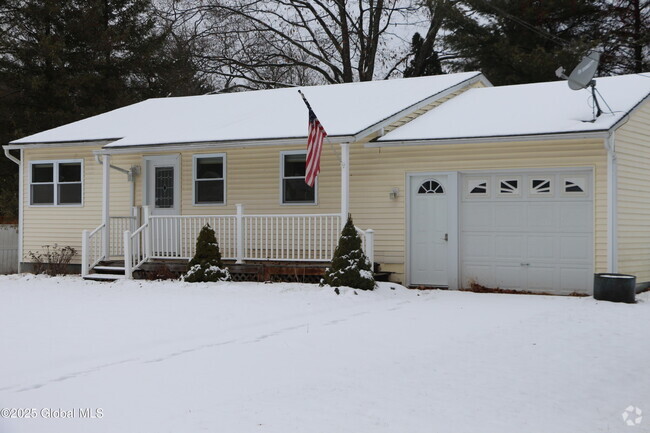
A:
[241, 237]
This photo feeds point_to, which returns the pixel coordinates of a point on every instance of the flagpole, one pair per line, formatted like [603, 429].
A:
[327, 138]
[344, 161]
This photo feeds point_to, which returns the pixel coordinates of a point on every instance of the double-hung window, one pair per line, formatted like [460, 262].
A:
[210, 179]
[294, 188]
[56, 183]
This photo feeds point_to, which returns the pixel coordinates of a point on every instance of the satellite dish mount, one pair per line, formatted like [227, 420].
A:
[582, 76]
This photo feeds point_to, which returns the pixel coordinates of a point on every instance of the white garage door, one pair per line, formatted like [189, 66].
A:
[527, 231]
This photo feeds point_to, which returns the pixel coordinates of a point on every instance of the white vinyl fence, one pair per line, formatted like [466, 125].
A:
[8, 249]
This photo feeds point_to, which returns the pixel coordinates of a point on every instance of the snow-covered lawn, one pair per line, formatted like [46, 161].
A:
[245, 357]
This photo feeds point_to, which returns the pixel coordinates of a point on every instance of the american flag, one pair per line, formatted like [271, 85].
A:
[315, 139]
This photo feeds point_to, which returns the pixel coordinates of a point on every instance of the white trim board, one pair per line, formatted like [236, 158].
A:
[282, 203]
[223, 157]
[55, 183]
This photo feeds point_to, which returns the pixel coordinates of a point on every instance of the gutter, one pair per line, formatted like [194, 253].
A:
[36, 145]
[179, 147]
[491, 139]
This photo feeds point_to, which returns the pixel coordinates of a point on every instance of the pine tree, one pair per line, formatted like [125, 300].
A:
[425, 59]
[522, 41]
[350, 266]
[62, 61]
[626, 43]
[206, 265]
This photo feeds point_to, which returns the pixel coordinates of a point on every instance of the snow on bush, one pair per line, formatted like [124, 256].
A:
[350, 266]
[206, 265]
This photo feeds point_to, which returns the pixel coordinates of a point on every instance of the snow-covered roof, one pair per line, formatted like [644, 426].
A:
[527, 109]
[343, 109]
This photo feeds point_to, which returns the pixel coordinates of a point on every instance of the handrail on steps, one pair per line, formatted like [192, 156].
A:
[90, 245]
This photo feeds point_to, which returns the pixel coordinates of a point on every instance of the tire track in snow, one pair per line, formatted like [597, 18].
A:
[252, 340]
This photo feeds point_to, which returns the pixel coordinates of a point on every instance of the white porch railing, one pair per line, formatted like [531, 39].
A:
[304, 238]
[92, 250]
[175, 236]
[368, 243]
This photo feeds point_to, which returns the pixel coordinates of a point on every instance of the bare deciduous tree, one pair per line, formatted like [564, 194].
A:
[271, 43]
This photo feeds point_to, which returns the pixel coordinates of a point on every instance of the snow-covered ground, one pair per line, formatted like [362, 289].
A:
[245, 357]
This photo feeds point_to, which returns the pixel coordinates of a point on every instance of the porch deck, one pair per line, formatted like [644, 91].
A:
[296, 246]
[293, 272]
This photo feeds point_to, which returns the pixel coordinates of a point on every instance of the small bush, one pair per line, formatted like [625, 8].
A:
[206, 265]
[52, 260]
[350, 266]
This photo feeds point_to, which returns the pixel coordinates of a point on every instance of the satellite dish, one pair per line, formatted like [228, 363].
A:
[582, 75]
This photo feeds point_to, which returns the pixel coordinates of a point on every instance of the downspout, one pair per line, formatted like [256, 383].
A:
[612, 204]
[12, 158]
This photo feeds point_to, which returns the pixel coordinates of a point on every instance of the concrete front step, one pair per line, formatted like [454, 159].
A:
[104, 277]
[109, 269]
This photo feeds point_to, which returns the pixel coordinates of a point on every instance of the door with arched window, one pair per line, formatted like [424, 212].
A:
[428, 242]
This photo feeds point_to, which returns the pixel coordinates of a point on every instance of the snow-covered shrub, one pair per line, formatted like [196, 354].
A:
[206, 265]
[350, 266]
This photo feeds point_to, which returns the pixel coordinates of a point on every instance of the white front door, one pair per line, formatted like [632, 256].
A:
[429, 234]
[162, 195]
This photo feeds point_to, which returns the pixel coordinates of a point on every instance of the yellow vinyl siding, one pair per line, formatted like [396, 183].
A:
[633, 159]
[253, 179]
[47, 225]
[376, 171]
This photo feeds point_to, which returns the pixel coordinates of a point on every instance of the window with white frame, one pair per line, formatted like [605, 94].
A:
[209, 179]
[294, 188]
[55, 183]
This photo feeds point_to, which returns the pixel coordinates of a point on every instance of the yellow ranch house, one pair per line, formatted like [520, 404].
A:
[451, 181]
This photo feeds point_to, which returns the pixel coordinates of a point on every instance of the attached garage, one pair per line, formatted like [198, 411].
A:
[528, 231]
[519, 230]
[525, 187]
